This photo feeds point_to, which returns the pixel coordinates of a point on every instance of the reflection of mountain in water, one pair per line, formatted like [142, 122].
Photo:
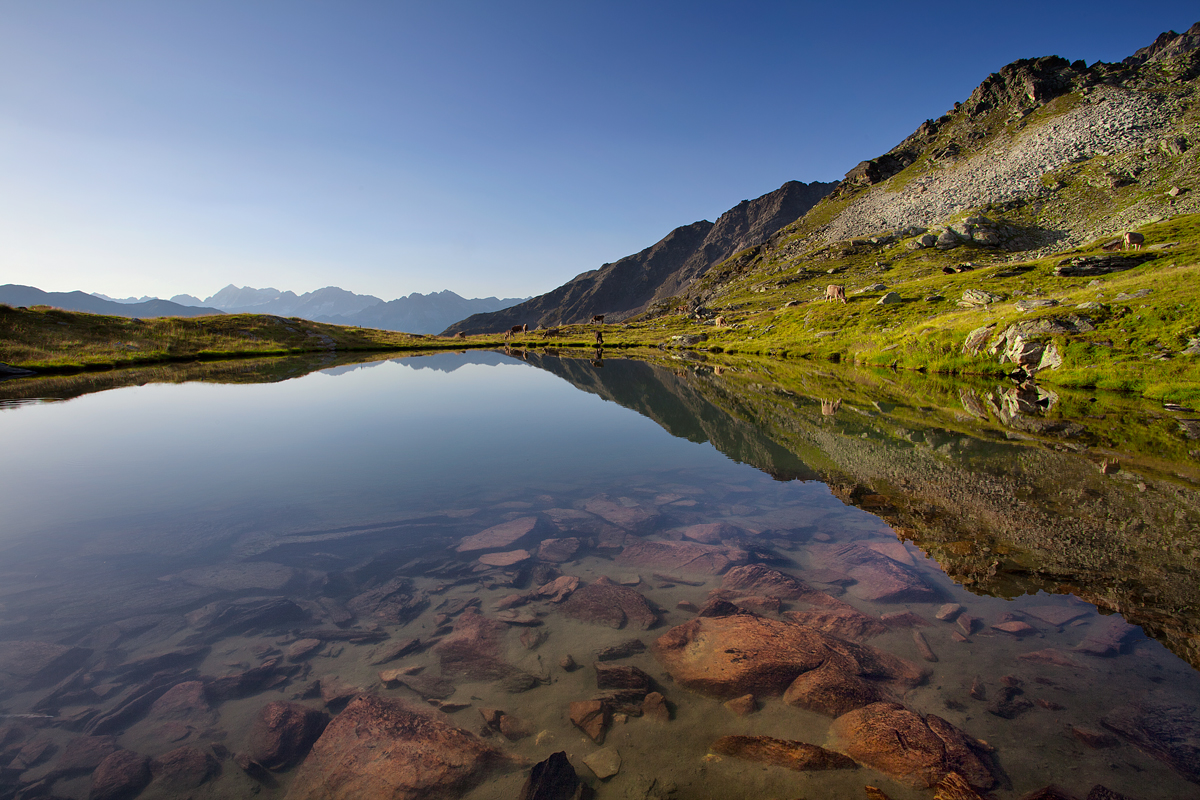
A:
[665, 397]
[448, 362]
[1007, 501]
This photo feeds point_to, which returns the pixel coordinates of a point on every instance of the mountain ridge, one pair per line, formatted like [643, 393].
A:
[628, 286]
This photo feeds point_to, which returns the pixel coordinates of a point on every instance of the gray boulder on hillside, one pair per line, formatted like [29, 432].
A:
[625, 288]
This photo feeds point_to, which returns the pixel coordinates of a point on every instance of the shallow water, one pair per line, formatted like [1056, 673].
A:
[129, 512]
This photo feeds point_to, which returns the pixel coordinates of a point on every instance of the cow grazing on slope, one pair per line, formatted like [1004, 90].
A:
[1134, 240]
[515, 329]
[835, 292]
[598, 319]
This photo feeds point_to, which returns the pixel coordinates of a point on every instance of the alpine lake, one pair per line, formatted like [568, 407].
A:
[421, 577]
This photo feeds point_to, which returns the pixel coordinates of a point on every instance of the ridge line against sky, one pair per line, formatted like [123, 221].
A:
[162, 148]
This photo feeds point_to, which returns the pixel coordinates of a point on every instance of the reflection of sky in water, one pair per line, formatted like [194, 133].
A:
[372, 440]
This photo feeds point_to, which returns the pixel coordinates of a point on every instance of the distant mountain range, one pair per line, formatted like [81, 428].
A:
[415, 313]
[16, 296]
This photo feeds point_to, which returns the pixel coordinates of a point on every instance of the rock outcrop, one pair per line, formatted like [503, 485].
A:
[741, 654]
[379, 747]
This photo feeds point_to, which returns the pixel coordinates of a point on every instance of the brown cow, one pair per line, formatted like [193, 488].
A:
[598, 319]
[835, 292]
[515, 329]
[1134, 240]
[599, 337]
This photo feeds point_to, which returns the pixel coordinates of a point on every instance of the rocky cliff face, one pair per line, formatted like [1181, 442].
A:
[1023, 135]
[627, 287]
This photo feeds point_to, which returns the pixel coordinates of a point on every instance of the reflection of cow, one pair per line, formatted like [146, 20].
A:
[598, 318]
[830, 407]
[1134, 240]
[835, 292]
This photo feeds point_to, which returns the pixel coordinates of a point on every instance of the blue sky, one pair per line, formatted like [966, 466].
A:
[158, 147]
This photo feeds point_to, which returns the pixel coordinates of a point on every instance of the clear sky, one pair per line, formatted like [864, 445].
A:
[493, 148]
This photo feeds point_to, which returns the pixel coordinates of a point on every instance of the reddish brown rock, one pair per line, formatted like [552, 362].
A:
[383, 748]
[558, 589]
[1015, 628]
[625, 649]
[182, 770]
[620, 676]
[630, 518]
[706, 559]
[742, 706]
[743, 653]
[282, 734]
[799, 756]
[877, 577]
[302, 649]
[915, 750]
[894, 550]
[592, 717]
[119, 776]
[654, 707]
[33, 753]
[558, 550]
[396, 602]
[759, 605]
[833, 689]
[334, 690]
[475, 649]
[606, 603]
[847, 623]
[1107, 636]
[501, 536]
[532, 639]
[948, 612]
[185, 702]
[506, 559]
[711, 532]
[923, 646]
[397, 649]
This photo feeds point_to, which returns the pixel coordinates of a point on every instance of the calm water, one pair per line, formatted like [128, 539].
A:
[134, 518]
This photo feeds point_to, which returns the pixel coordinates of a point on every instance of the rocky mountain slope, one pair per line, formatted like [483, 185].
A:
[625, 288]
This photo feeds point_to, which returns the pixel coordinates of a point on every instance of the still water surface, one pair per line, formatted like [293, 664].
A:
[167, 536]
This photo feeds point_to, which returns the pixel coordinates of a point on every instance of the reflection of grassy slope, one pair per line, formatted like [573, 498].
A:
[240, 370]
[1002, 515]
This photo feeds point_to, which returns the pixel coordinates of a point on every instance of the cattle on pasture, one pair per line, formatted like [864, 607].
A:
[835, 292]
[1134, 241]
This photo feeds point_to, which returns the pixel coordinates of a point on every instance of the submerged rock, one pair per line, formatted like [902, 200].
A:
[915, 750]
[383, 748]
[503, 535]
[552, 779]
[182, 770]
[694, 557]
[119, 776]
[604, 763]
[474, 649]
[743, 653]
[1165, 728]
[630, 518]
[606, 603]
[592, 717]
[799, 756]
[396, 602]
[40, 663]
[282, 734]
[877, 578]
